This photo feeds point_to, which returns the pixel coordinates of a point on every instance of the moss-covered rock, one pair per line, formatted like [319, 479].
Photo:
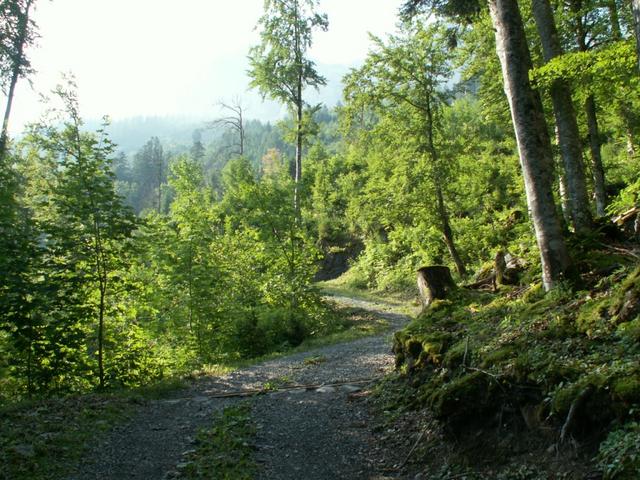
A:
[415, 351]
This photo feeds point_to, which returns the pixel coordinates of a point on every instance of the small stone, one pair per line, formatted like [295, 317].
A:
[351, 388]
[326, 389]
[24, 450]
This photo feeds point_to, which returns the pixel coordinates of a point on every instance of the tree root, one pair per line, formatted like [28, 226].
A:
[575, 406]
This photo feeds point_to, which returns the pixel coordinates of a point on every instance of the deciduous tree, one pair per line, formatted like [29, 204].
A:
[279, 66]
[17, 32]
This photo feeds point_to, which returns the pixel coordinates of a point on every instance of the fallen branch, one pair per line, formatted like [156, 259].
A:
[413, 449]
[262, 391]
[621, 251]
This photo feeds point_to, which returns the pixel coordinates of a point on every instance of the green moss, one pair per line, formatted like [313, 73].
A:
[456, 354]
[630, 331]
[463, 396]
[627, 389]
[498, 356]
[565, 396]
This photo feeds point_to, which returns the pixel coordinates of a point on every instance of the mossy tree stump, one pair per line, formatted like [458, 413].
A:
[434, 282]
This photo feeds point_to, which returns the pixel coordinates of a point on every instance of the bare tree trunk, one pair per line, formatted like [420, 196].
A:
[298, 172]
[4, 136]
[532, 136]
[103, 287]
[624, 109]
[615, 19]
[235, 121]
[597, 169]
[23, 25]
[635, 6]
[299, 107]
[447, 233]
[567, 125]
[564, 200]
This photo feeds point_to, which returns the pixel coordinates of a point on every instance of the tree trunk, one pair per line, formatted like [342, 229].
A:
[616, 33]
[532, 137]
[564, 202]
[567, 125]
[635, 6]
[624, 109]
[500, 266]
[298, 173]
[15, 74]
[447, 234]
[434, 283]
[597, 169]
[101, 307]
[443, 215]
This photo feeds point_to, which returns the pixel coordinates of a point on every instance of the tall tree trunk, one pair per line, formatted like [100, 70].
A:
[534, 146]
[17, 62]
[624, 109]
[443, 215]
[616, 33]
[565, 217]
[566, 123]
[635, 6]
[101, 307]
[597, 169]
[299, 106]
[595, 146]
[447, 233]
[298, 173]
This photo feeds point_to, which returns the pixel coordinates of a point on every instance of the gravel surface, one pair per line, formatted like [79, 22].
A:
[315, 433]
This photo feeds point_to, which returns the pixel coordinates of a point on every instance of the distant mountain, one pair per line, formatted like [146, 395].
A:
[130, 134]
[176, 131]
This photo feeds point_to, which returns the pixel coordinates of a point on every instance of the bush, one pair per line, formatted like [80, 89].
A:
[619, 454]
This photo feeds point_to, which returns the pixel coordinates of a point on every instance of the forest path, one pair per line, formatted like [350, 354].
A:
[315, 433]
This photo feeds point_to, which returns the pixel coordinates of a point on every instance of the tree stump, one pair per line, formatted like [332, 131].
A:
[434, 282]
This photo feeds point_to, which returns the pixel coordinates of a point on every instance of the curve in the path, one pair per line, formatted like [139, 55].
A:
[301, 434]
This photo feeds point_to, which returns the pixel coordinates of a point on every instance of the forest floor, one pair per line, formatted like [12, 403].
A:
[312, 420]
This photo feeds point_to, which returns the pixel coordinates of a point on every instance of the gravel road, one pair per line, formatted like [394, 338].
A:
[319, 433]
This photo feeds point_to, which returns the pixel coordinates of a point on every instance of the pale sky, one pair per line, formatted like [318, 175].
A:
[174, 57]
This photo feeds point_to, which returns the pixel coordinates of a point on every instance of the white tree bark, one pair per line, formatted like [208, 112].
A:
[534, 145]
[567, 125]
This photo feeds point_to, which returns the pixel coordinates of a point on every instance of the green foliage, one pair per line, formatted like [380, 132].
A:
[619, 454]
[615, 63]
[280, 68]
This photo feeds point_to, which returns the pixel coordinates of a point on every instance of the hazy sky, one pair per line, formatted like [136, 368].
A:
[174, 57]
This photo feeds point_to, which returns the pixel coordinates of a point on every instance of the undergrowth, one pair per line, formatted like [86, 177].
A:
[560, 368]
[223, 452]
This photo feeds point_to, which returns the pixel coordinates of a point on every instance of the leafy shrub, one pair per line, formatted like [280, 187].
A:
[619, 454]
